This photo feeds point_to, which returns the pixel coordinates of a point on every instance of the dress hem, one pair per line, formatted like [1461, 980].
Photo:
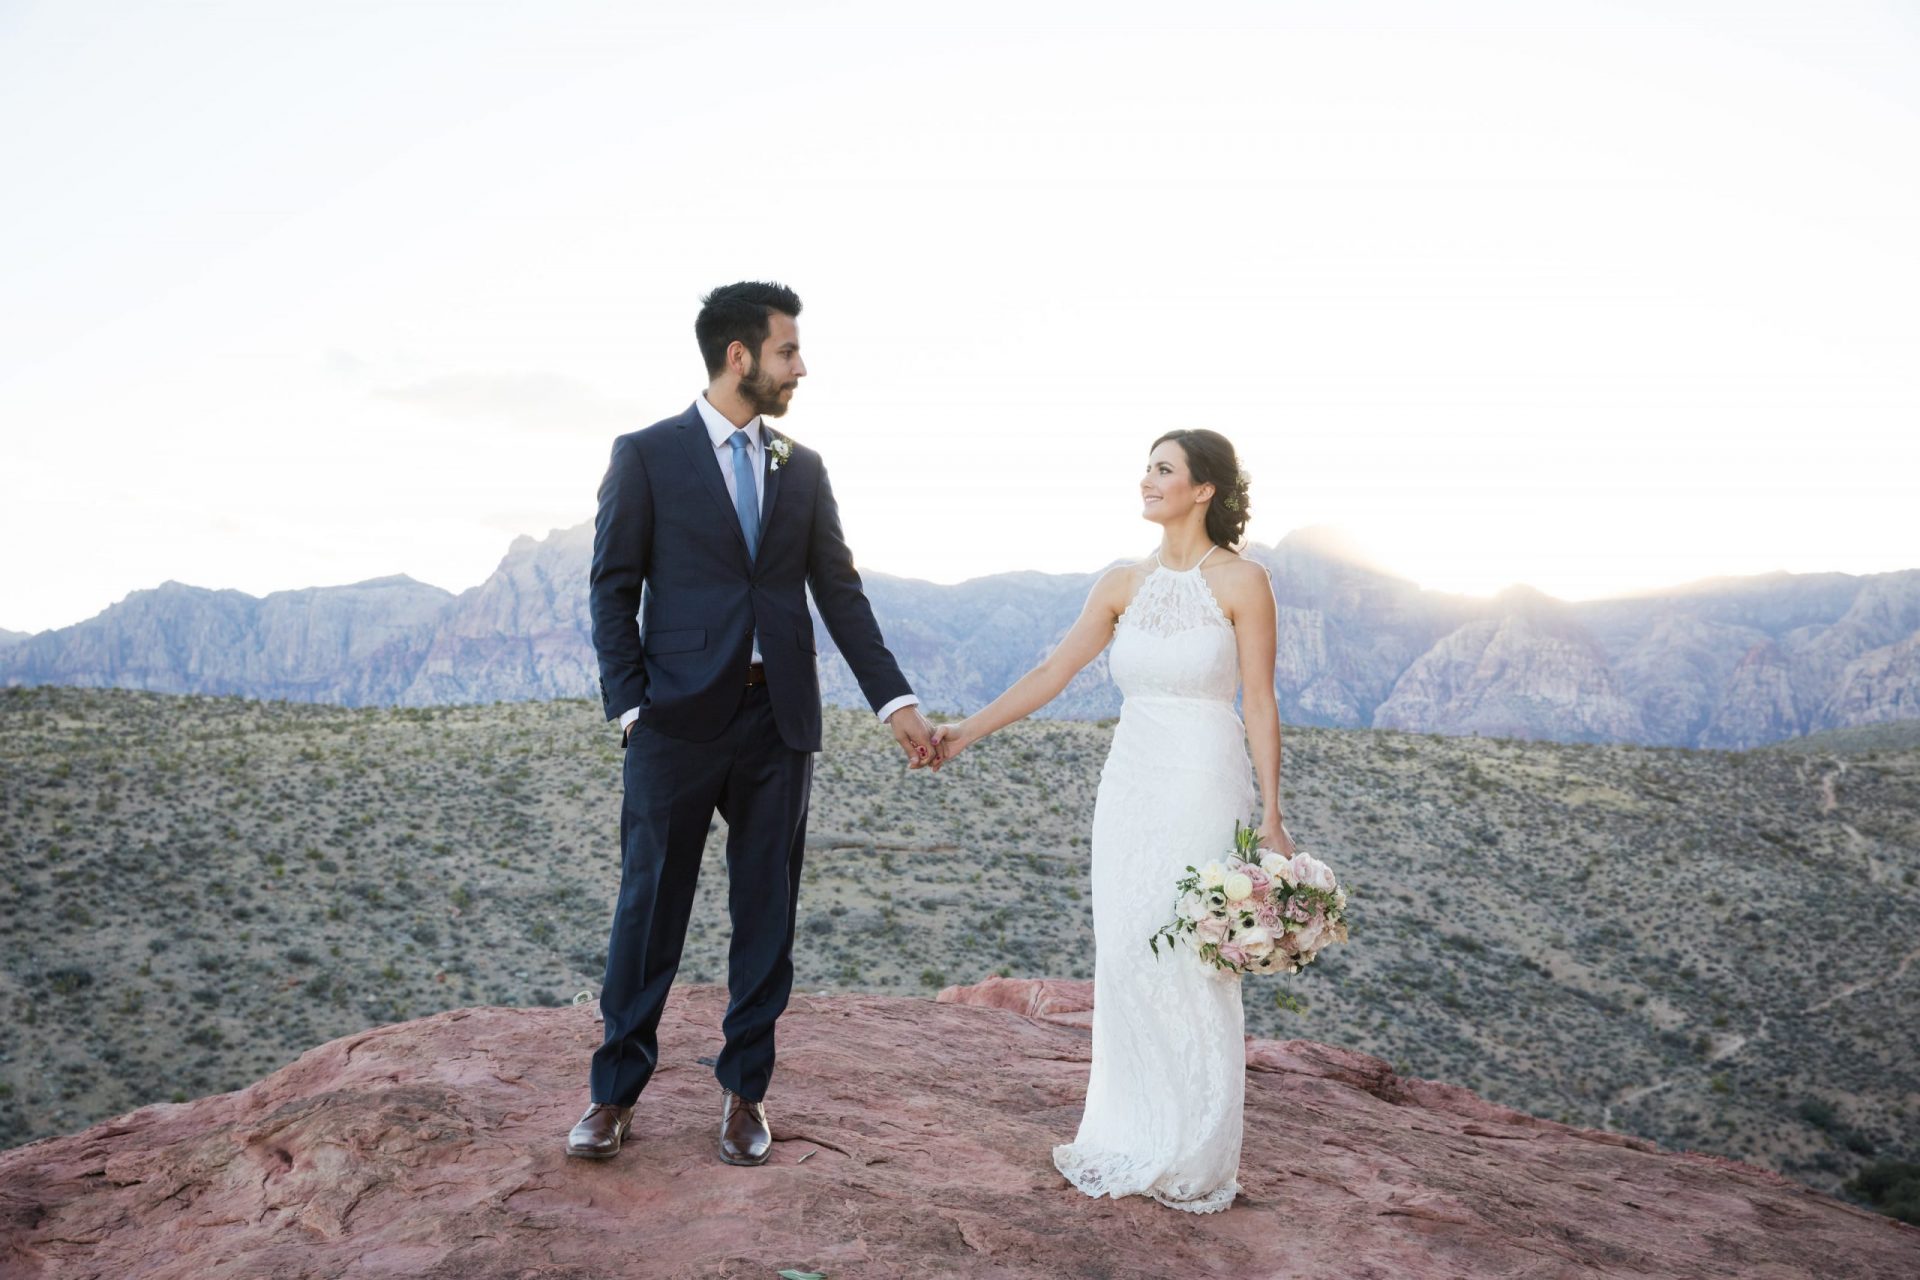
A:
[1068, 1159]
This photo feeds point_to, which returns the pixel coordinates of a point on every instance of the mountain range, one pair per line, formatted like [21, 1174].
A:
[1729, 662]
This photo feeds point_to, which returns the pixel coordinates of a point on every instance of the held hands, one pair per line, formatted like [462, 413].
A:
[925, 746]
[914, 734]
[949, 740]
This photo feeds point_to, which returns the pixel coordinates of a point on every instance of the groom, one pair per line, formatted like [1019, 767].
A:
[711, 528]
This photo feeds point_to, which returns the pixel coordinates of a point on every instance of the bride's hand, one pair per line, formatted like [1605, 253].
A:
[1273, 835]
[949, 740]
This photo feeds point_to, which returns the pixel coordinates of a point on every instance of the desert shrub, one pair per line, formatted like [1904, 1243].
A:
[1891, 1186]
[69, 979]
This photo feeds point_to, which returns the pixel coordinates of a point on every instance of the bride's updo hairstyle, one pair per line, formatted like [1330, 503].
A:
[1211, 460]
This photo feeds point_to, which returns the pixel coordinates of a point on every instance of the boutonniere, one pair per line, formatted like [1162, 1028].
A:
[781, 448]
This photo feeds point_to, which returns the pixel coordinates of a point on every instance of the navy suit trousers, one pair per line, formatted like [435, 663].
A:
[672, 789]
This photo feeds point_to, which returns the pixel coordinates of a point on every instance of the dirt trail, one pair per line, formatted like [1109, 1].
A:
[1856, 843]
[1726, 1048]
[1829, 799]
[1854, 988]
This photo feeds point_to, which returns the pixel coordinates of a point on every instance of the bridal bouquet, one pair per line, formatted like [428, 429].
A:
[1257, 912]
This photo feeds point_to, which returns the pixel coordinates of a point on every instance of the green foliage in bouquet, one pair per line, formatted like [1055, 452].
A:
[1246, 916]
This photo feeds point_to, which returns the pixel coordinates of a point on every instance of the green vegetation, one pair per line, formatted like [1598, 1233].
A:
[1891, 1186]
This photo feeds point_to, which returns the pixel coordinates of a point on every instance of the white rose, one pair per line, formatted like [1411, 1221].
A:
[1193, 907]
[1258, 942]
[1312, 872]
[1271, 862]
[1238, 887]
[1213, 875]
[1307, 936]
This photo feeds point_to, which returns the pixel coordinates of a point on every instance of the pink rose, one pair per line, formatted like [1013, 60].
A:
[1269, 917]
[1261, 880]
[1234, 955]
[1212, 929]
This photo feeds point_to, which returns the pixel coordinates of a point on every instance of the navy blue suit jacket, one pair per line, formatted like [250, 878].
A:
[667, 549]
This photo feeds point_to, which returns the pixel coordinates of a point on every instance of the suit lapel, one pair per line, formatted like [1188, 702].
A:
[706, 462]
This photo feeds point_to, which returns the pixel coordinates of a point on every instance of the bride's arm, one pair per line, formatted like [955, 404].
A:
[1083, 642]
[1254, 626]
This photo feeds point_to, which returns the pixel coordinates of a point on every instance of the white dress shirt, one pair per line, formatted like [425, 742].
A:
[721, 432]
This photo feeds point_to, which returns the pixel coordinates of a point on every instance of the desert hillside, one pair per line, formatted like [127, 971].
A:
[1711, 950]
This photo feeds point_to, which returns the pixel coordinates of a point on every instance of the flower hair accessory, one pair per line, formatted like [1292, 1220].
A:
[1240, 481]
[781, 448]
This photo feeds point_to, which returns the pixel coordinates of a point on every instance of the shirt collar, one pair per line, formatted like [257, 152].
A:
[720, 430]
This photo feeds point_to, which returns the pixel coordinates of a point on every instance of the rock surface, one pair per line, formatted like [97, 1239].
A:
[913, 1140]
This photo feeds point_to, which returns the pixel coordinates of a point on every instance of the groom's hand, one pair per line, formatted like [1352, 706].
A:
[914, 734]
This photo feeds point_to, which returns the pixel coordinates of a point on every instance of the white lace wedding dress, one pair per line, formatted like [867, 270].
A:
[1166, 1090]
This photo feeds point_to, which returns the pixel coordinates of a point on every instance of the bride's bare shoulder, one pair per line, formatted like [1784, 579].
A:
[1117, 585]
[1233, 564]
[1237, 578]
[1130, 570]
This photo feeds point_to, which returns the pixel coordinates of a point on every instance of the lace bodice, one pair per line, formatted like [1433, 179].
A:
[1174, 640]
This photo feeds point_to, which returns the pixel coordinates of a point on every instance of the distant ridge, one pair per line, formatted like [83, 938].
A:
[1722, 662]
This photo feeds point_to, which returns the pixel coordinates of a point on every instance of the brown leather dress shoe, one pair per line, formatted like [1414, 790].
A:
[744, 1136]
[600, 1131]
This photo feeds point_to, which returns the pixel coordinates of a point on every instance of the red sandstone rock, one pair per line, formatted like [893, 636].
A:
[913, 1140]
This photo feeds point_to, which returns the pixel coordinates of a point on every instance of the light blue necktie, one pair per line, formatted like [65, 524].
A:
[745, 502]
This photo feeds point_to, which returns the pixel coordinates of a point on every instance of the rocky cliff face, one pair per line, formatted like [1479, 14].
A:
[321, 644]
[1879, 686]
[523, 633]
[912, 1139]
[1530, 672]
[1723, 663]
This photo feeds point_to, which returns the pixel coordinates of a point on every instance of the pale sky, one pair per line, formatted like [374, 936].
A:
[1595, 297]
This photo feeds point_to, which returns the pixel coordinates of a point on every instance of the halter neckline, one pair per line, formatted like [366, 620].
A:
[1196, 564]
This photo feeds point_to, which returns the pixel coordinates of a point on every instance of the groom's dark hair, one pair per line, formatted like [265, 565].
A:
[738, 313]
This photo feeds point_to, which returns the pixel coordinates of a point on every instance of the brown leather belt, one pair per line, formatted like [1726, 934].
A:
[756, 674]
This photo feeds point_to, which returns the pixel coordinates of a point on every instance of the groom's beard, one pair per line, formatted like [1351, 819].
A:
[762, 393]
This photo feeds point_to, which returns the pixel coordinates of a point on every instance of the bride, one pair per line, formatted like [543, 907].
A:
[1168, 1077]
